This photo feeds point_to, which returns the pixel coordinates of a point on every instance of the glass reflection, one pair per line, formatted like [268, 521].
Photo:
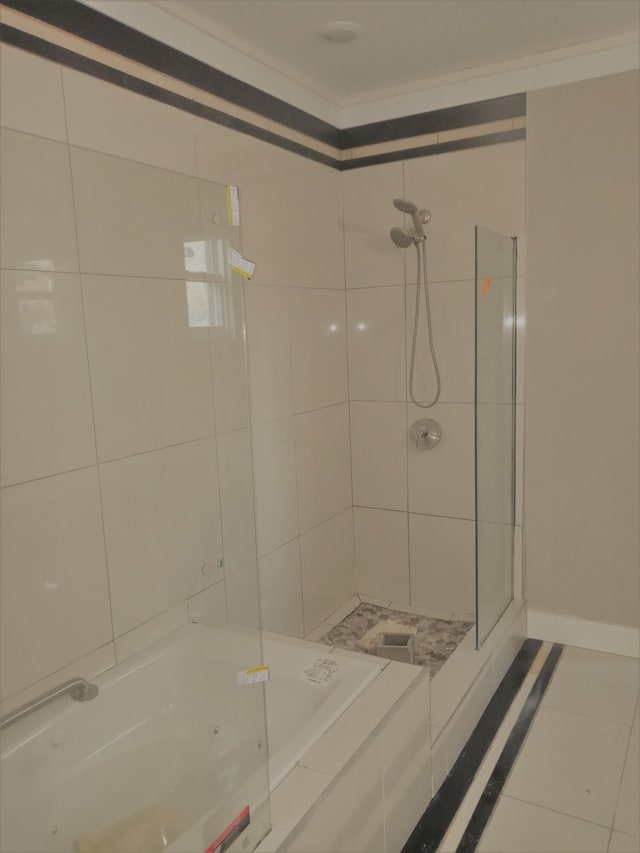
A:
[36, 308]
[208, 257]
[211, 304]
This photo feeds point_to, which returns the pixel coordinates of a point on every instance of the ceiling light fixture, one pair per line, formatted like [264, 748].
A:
[341, 31]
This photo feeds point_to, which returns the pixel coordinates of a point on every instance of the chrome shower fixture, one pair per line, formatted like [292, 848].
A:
[419, 217]
[403, 238]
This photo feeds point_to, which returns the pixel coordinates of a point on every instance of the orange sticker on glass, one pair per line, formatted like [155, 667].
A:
[486, 286]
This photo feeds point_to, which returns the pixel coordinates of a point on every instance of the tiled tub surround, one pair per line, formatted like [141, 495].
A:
[435, 639]
[367, 781]
[112, 401]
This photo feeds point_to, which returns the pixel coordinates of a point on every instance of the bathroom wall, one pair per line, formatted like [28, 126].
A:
[414, 510]
[126, 454]
[582, 383]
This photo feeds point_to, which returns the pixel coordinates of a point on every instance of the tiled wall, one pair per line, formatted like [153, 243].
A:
[126, 456]
[414, 510]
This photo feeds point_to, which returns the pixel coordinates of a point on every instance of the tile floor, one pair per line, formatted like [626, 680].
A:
[574, 787]
[435, 639]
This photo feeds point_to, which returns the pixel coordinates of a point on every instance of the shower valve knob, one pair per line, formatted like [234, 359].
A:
[425, 433]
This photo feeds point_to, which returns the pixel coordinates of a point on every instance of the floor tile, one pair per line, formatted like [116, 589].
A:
[572, 764]
[595, 684]
[519, 827]
[627, 817]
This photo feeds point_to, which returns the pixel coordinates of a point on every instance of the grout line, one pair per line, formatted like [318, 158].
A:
[89, 377]
[556, 811]
[624, 765]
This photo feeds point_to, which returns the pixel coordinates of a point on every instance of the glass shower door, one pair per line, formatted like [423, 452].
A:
[495, 304]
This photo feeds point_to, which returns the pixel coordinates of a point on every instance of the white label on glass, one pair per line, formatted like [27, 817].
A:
[241, 265]
[253, 676]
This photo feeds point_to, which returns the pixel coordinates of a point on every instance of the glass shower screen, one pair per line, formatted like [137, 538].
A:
[495, 316]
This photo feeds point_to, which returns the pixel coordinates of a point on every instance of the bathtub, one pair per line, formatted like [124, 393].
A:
[171, 728]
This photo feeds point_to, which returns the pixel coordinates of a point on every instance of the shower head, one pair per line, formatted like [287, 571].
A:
[405, 206]
[401, 238]
[411, 210]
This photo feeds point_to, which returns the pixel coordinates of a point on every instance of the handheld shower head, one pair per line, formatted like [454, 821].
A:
[405, 206]
[401, 238]
[411, 209]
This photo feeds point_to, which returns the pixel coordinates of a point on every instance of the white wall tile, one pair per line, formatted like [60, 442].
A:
[37, 229]
[323, 464]
[452, 313]
[519, 451]
[335, 824]
[133, 219]
[152, 631]
[476, 186]
[45, 401]
[382, 553]
[162, 527]
[209, 607]
[31, 94]
[328, 574]
[243, 600]
[289, 207]
[269, 353]
[295, 795]
[376, 321]
[275, 484]
[379, 454]
[88, 666]
[465, 719]
[442, 560]
[337, 746]
[406, 761]
[281, 590]
[318, 348]
[237, 499]
[441, 479]
[371, 259]
[150, 370]
[108, 118]
[230, 364]
[55, 598]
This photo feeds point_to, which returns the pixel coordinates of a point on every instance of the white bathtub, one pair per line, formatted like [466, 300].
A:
[170, 728]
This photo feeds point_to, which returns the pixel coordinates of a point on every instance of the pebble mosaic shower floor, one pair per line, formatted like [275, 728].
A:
[436, 639]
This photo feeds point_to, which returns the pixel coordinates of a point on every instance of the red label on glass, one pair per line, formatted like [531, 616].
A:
[236, 827]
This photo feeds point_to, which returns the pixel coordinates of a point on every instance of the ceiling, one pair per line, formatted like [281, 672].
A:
[403, 43]
[412, 56]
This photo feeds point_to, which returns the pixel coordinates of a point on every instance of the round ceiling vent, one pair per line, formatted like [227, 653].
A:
[341, 31]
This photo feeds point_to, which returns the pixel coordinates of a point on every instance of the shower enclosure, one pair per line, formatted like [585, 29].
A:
[495, 410]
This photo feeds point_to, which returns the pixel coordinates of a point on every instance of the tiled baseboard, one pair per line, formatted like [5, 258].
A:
[584, 633]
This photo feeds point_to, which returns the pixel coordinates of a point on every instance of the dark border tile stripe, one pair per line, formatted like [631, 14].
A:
[100, 29]
[93, 26]
[435, 121]
[488, 800]
[433, 825]
[70, 59]
[439, 148]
